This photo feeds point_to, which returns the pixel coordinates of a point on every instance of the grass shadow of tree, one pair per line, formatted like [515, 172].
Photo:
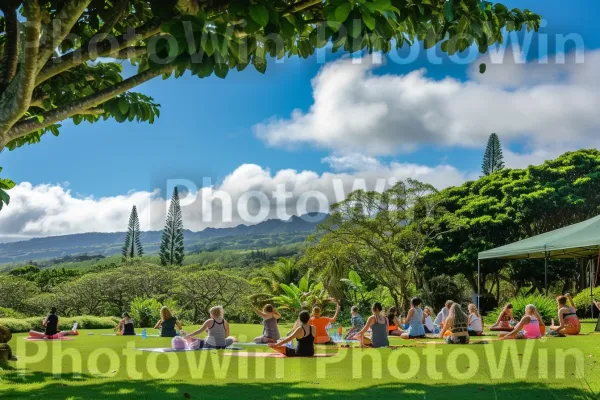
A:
[84, 387]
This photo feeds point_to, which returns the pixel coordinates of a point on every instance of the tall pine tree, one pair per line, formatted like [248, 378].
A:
[133, 243]
[171, 246]
[493, 160]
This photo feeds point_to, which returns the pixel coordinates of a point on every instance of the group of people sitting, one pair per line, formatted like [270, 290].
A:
[452, 323]
[531, 326]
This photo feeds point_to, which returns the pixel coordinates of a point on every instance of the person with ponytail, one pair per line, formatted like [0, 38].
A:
[379, 326]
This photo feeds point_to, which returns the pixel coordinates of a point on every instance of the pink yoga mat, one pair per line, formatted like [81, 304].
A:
[270, 355]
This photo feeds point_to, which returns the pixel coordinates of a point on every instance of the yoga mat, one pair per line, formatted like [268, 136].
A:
[46, 339]
[169, 350]
[271, 355]
[137, 334]
[252, 344]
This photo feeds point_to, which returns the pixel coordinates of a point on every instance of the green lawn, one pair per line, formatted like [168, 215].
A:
[110, 370]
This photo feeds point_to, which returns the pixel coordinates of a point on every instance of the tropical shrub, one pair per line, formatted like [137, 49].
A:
[583, 303]
[545, 305]
[35, 323]
[145, 312]
[9, 313]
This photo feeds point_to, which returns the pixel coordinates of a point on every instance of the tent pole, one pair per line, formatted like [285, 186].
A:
[478, 283]
[546, 271]
[591, 264]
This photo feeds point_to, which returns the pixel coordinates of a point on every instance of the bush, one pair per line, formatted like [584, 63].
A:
[10, 313]
[441, 288]
[145, 312]
[582, 302]
[35, 323]
[546, 307]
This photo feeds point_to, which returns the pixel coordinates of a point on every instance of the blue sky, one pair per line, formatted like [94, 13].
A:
[207, 126]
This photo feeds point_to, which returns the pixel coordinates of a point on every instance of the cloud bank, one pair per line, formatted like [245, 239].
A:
[249, 195]
[547, 107]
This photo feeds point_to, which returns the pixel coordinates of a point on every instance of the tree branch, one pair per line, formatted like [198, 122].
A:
[61, 25]
[109, 24]
[129, 52]
[30, 125]
[14, 101]
[302, 5]
[92, 111]
[10, 57]
[93, 50]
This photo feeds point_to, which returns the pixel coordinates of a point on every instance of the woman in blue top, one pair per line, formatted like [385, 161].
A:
[414, 319]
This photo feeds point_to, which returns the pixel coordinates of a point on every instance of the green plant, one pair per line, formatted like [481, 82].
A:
[145, 312]
[546, 307]
[583, 303]
[306, 295]
[35, 323]
[9, 313]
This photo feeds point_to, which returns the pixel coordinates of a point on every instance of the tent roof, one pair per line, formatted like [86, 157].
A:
[579, 240]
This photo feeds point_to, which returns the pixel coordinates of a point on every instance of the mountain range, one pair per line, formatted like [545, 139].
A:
[107, 244]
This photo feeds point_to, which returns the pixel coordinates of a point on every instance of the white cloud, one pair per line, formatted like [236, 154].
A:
[47, 210]
[543, 106]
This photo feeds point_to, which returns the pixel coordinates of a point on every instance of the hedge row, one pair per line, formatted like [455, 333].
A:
[85, 322]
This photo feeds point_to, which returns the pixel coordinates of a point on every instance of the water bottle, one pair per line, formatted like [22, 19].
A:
[436, 329]
[144, 333]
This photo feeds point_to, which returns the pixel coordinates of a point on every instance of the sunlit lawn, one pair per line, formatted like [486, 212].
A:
[110, 370]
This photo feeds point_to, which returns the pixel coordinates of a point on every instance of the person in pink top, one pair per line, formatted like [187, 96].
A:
[529, 327]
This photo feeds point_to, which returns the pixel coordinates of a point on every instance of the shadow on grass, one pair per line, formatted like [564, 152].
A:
[88, 387]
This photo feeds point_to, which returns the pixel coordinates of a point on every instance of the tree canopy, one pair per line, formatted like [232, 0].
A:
[57, 55]
[511, 205]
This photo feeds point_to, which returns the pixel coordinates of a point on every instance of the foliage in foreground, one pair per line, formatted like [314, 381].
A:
[40, 87]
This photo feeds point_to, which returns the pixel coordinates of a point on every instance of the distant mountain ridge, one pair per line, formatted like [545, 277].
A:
[107, 244]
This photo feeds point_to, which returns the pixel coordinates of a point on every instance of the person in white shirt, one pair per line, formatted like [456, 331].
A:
[475, 321]
[441, 317]
[427, 320]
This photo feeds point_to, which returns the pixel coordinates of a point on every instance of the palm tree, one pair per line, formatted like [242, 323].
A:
[307, 294]
[285, 271]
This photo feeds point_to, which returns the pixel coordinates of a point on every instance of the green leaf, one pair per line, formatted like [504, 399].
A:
[342, 12]
[260, 64]
[382, 5]
[482, 68]
[287, 29]
[260, 14]
[449, 11]
[368, 20]
[221, 70]
[205, 68]
[123, 106]
[463, 24]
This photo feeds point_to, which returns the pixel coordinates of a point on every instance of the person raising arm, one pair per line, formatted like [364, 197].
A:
[270, 331]
[321, 323]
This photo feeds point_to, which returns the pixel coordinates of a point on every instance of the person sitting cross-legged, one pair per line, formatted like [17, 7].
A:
[528, 327]
[304, 334]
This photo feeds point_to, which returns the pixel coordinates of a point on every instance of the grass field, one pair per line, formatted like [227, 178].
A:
[553, 368]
